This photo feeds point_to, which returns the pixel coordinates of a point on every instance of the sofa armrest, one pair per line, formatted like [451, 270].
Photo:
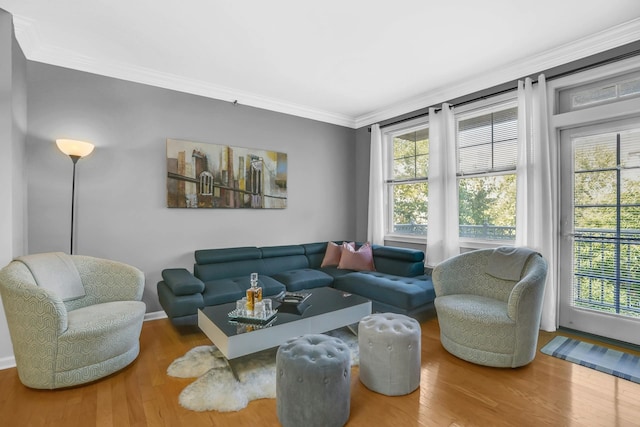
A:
[182, 282]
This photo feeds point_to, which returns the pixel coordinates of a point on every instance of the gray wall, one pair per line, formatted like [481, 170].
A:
[121, 187]
[13, 116]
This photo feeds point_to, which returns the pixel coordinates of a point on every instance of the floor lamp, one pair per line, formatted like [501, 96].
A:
[75, 150]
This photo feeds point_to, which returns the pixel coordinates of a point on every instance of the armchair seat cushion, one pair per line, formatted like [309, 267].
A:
[99, 333]
[477, 321]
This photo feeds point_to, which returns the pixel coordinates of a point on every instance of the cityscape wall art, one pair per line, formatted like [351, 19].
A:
[202, 175]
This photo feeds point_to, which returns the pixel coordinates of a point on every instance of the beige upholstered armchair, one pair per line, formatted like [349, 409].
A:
[489, 304]
[72, 319]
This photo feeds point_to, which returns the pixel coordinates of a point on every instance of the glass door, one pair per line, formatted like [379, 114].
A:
[600, 245]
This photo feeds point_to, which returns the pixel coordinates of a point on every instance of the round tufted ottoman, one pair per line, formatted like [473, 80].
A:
[313, 381]
[389, 346]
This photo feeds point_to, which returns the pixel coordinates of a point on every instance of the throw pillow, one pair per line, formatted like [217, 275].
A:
[333, 253]
[360, 260]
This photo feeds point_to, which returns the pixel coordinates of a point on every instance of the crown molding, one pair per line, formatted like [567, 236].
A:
[599, 42]
[35, 50]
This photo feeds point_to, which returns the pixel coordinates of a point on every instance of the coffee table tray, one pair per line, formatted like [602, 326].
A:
[262, 320]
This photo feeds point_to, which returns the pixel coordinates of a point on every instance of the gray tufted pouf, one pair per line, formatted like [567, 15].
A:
[313, 381]
[389, 346]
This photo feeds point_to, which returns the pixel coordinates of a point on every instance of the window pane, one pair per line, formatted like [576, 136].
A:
[410, 208]
[474, 159]
[630, 219]
[488, 143]
[487, 207]
[592, 96]
[505, 125]
[595, 152]
[410, 155]
[505, 155]
[630, 88]
[595, 188]
[473, 131]
[404, 168]
[594, 218]
[422, 166]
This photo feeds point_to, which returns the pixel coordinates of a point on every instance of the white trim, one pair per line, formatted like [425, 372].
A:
[155, 315]
[7, 362]
[608, 39]
[36, 50]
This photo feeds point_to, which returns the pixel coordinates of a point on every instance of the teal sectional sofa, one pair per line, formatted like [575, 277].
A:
[398, 284]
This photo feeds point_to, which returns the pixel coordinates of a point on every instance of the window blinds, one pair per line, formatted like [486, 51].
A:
[488, 143]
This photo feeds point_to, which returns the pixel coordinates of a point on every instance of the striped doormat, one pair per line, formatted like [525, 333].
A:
[603, 359]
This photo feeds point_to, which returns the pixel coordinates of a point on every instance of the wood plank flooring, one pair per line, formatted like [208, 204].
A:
[452, 392]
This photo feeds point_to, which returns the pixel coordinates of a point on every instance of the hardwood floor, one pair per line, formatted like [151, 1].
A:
[452, 392]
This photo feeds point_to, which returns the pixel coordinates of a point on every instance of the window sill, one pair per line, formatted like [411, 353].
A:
[405, 238]
[465, 244]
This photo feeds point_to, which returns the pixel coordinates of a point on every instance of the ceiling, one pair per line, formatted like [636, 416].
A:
[348, 62]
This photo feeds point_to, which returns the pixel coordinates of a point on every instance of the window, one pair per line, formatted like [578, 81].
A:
[408, 190]
[487, 151]
[606, 216]
[605, 91]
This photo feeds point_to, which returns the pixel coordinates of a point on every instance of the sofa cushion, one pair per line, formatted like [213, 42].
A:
[273, 266]
[403, 292]
[335, 271]
[280, 251]
[403, 254]
[222, 291]
[331, 255]
[361, 259]
[315, 253]
[212, 256]
[181, 281]
[305, 278]
[228, 269]
[398, 261]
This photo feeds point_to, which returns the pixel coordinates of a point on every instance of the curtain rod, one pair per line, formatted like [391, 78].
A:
[509, 89]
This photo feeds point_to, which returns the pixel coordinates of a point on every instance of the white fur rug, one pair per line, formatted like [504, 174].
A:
[217, 389]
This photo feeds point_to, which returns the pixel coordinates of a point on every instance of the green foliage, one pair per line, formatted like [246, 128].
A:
[487, 200]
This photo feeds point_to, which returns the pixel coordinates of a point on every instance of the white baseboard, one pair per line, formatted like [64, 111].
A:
[7, 362]
[10, 362]
[155, 315]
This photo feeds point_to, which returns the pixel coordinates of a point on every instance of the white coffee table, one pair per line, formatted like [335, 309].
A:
[328, 309]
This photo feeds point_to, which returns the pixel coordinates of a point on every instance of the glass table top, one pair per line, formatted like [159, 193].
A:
[322, 301]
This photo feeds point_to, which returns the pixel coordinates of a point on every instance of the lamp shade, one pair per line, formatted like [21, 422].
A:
[71, 147]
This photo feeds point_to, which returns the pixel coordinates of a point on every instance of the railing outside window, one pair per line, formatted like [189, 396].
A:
[596, 276]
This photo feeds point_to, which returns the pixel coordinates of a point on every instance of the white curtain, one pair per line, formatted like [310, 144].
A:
[537, 197]
[375, 227]
[442, 228]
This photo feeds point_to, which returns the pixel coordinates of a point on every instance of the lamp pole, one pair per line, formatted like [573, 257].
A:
[75, 150]
[74, 159]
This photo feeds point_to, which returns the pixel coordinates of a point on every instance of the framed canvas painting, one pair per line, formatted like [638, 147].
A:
[201, 175]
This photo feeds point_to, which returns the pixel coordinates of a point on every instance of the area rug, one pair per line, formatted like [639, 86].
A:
[216, 388]
[603, 359]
